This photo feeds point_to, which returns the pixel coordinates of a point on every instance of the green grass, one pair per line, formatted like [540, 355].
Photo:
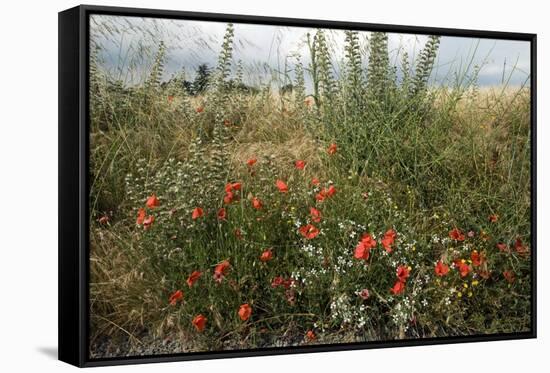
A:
[419, 164]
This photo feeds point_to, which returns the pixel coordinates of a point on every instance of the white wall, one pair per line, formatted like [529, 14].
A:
[28, 184]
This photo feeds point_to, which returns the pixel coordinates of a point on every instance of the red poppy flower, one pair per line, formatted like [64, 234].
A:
[520, 248]
[361, 251]
[103, 220]
[170, 98]
[502, 247]
[152, 202]
[256, 203]
[280, 281]
[266, 256]
[299, 164]
[281, 185]
[199, 322]
[197, 213]
[321, 196]
[456, 235]
[364, 294]
[493, 218]
[398, 288]
[463, 268]
[220, 271]
[484, 274]
[141, 216]
[232, 186]
[509, 275]
[251, 162]
[175, 297]
[238, 234]
[368, 241]
[477, 258]
[222, 214]
[390, 233]
[332, 149]
[388, 240]
[148, 222]
[403, 273]
[325, 193]
[228, 198]
[441, 269]
[309, 231]
[277, 281]
[245, 311]
[200, 109]
[193, 277]
[315, 214]
[310, 335]
[315, 181]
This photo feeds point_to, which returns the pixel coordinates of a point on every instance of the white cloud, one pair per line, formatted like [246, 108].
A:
[264, 49]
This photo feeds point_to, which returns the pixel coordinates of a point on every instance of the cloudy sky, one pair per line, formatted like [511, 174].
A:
[128, 45]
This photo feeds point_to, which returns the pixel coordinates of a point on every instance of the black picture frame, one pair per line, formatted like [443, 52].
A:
[74, 183]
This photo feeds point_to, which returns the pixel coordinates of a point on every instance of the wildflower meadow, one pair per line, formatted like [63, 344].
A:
[346, 197]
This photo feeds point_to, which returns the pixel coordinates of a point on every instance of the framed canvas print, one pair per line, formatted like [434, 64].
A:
[238, 185]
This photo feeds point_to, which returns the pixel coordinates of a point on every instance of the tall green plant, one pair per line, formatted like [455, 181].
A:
[355, 84]
[425, 65]
[210, 169]
[155, 75]
[379, 67]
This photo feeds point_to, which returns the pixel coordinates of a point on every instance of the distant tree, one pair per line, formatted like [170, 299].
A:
[187, 87]
[236, 85]
[287, 88]
[201, 79]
